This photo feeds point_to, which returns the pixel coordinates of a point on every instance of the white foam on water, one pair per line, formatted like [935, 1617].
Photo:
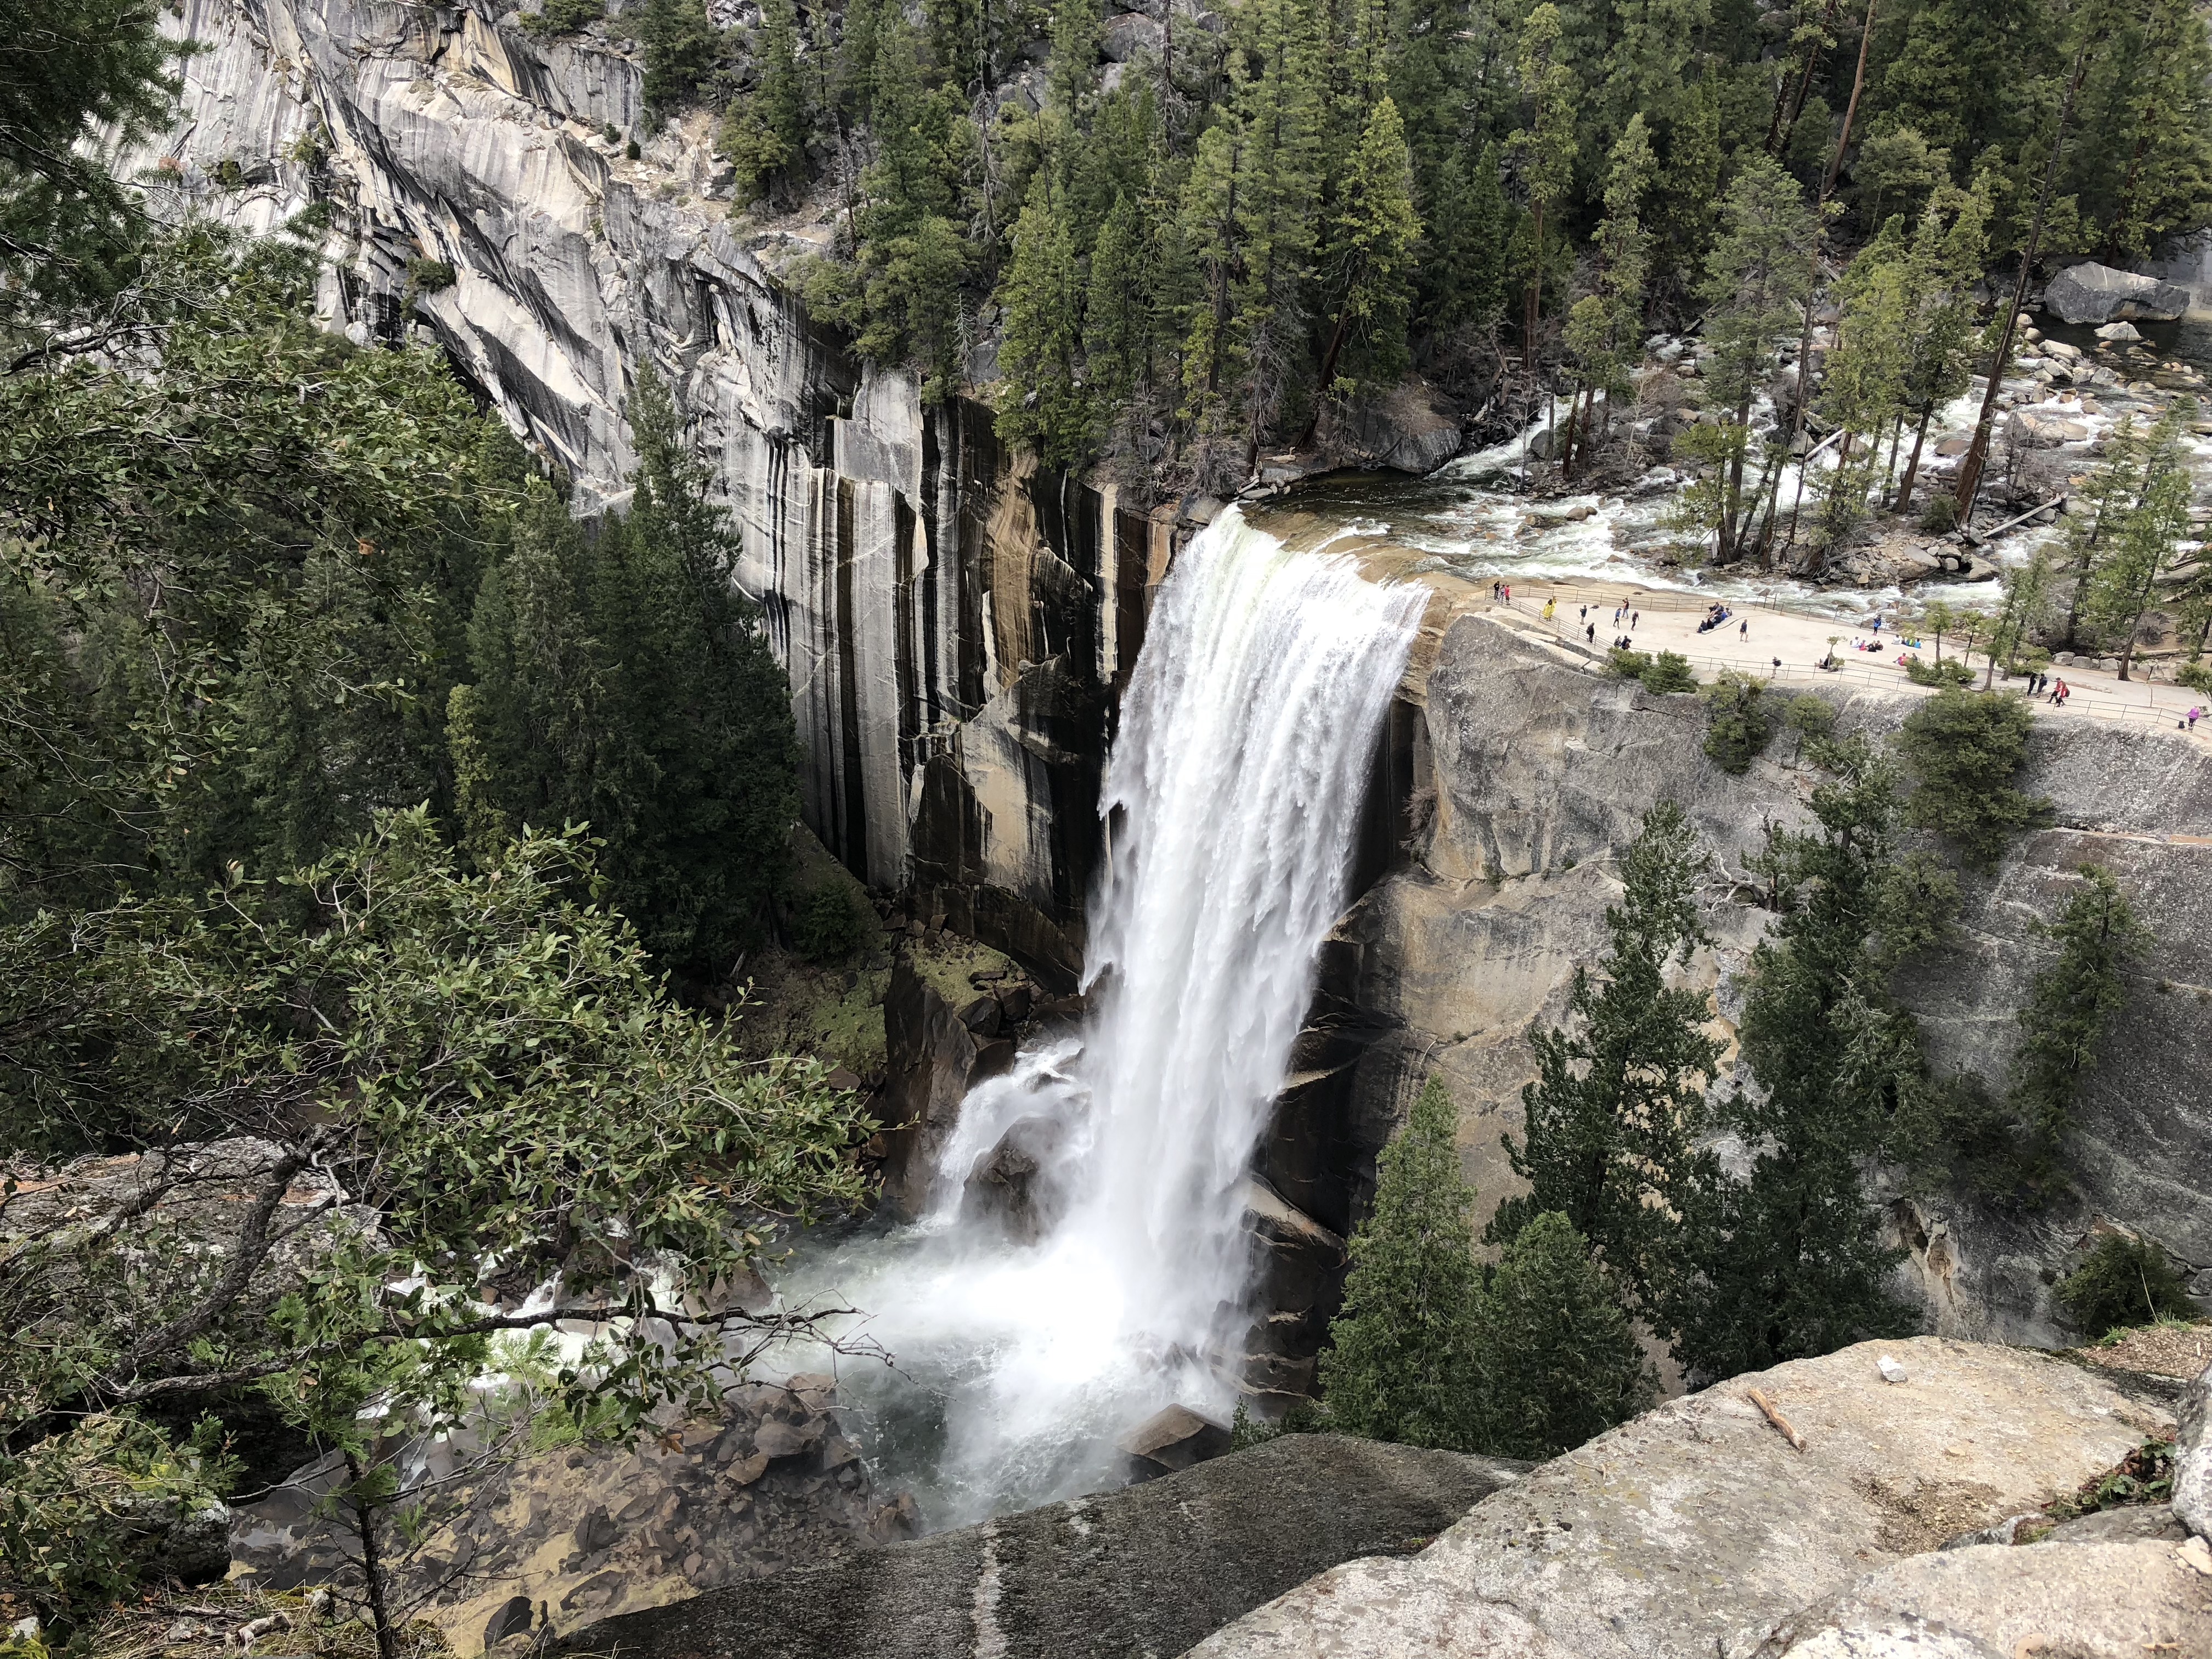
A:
[1232, 800]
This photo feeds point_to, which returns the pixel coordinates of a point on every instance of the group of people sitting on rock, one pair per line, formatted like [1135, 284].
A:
[1714, 618]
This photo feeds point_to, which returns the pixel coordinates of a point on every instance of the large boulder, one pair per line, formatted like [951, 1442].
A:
[2099, 294]
[1145, 1570]
[2120, 1600]
[1172, 1438]
[1011, 1187]
[1696, 1530]
[1407, 429]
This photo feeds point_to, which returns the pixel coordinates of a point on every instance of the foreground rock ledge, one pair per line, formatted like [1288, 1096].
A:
[1696, 1531]
[1144, 1571]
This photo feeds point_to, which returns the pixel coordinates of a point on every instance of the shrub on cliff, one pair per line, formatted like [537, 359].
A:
[1400, 1366]
[2125, 1282]
[1736, 725]
[562, 17]
[1966, 747]
[1666, 673]
[1952, 672]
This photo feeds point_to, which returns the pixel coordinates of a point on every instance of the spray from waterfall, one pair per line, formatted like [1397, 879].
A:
[1231, 803]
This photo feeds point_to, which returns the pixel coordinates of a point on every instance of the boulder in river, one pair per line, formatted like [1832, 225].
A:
[2098, 294]
[1013, 1185]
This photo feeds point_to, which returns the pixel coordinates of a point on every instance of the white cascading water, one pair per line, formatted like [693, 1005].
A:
[1232, 799]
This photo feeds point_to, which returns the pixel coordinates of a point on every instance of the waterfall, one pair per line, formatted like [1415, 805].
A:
[1231, 801]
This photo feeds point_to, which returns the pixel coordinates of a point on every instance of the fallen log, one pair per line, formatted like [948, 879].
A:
[1977, 538]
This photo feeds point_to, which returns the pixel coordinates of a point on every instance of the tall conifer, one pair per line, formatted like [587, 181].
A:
[1790, 1261]
[1400, 1365]
[1546, 147]
[1609, 1123]
[1041, 401]
[1557, 1361]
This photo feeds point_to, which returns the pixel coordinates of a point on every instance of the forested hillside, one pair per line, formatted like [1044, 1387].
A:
[375, 844]
[1188, 252]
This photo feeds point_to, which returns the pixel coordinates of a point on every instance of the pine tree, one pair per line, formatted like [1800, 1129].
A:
[1945, 81]
[628, 687]
[1605, 329]
[684, 53]
[706, 706]
[1210, 236]
[540, 738]
[1371, 246]
[1689, 189]
[1946, 259]
[2099, 935]
[1546, 146]
[1609, 1120]
[1429, 78]
[1559, 1363]
[1041, 402]
[1757, 279]
[764, 133]
[1463, 283]
[1645, 67]
[2146, 545]
[852, 75]
[1399, 1366]
[1118, 307]
[1790, 1263]
[2158, 114]
[904, 298]
[1282, 114]
[1864, 386]
[1896, 170]
[2097, 514]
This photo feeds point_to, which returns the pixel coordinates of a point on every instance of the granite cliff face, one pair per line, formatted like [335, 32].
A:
[1531, 773]
[955, 624]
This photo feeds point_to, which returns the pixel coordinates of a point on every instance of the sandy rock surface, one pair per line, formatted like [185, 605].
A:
[1696, 1531]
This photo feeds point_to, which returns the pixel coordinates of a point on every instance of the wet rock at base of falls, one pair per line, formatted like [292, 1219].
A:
[1173, 1438]
[1012, 1186]
[586, 1532]
[1298, 1278]
[2092, 292]
[1150, 1569]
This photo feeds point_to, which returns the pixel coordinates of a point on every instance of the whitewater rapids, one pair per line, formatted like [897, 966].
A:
[1231, 802]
